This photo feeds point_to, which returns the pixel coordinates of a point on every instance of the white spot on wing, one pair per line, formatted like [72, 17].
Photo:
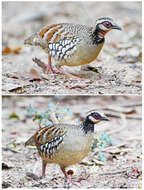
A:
[50, 46]
[53, 53]
[57, 45]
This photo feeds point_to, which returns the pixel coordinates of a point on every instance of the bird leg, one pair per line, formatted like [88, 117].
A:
[49, 68]
[67, 73]
[43, 168]
[67, 177]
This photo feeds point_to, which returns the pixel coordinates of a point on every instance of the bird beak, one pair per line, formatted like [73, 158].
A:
[116, 27]
[104, 119]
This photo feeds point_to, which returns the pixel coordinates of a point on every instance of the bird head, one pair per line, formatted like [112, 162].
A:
[104, 25]
[96, 117]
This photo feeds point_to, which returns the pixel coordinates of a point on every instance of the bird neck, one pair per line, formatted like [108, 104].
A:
[88, 126]
[97, 36]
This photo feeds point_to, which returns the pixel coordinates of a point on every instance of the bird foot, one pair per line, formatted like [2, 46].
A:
[46, 68]
[49, 70]
[68, 74]
[78, 179]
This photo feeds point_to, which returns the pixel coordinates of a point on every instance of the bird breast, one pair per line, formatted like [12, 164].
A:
[83, 54]
[74, 148]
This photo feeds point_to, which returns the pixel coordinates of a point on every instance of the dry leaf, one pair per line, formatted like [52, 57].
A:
[14, 133]
[6, 50]
[6, 184]
[30, 76]
[32, 175]
[14, 89]
[133, 173]
[77, 85]
[5, 166]
[34, 72]
[127, 59]
[14, 50]
[140, 57]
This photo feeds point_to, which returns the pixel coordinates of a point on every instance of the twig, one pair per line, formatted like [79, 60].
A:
[9, 149]
[131, 104]
[114, 173]
[110, 147]
[40, 63]
[134, 138]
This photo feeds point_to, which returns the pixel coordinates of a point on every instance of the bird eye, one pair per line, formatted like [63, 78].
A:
[107, 24]
[95, 115]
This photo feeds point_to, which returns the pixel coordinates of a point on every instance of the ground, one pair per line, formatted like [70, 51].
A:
[117, 164]
[116, 71]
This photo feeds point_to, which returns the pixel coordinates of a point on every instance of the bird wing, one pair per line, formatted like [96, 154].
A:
[55, 32]
[49, 139]
[59, 39]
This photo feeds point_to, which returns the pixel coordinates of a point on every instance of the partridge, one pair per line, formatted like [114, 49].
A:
[71, 44]
[65, 144]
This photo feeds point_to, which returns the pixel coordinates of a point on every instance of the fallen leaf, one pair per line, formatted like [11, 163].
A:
[133, 173]
[127, 59]
[80, 85]
[87, 163]
[13, 133]
[130, 111]
[8, 50]
[5, 166]
[32, 175]
[13, 115]
[140, 57]
[15, 89]
[34, 72]
[16, 50]
[97, 162]
[30, 76]
[6, 184]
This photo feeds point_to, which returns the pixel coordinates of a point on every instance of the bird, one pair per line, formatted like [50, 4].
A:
[65, 144]
[72, 44]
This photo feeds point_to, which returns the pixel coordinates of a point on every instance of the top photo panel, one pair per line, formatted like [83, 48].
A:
[71, 48]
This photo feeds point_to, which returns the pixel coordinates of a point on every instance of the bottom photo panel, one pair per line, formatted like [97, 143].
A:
[72, 141]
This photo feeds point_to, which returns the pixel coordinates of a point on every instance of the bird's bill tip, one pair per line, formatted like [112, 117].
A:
[116, 27]
[104, 119]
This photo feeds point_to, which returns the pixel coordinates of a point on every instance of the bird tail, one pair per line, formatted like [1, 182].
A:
[32, 40]
[30, 142]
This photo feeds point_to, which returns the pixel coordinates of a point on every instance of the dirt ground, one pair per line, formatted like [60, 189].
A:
[119, 167]
[117, 70]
